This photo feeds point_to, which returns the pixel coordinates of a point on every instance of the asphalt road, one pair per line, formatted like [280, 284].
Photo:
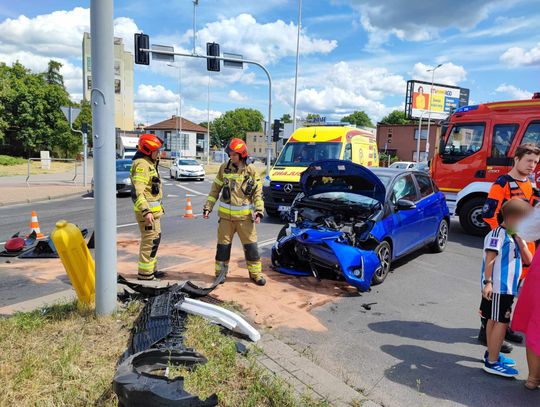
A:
[416, 346]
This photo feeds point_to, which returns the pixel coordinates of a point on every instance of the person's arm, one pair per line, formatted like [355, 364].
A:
[488, 273]
[493, 204]
[139, 180]
[526, 255]
[213, 196]
[257, 197]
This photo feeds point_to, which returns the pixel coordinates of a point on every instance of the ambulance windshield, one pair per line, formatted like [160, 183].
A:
[303, 154]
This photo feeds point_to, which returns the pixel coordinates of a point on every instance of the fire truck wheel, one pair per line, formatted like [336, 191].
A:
[470, 217]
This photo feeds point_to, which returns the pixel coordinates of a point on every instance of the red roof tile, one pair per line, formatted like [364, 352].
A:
[174, 122]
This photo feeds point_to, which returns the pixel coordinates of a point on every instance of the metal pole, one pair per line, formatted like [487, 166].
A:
[208, 125]
[246, 61]
[429, 106]
[85, 158]
[297, 61]
[102, 97]
[419, 137]
[195, 4]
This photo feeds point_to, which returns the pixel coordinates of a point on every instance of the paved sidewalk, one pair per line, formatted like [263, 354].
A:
[43, 187]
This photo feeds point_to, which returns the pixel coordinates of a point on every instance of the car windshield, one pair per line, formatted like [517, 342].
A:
[123, 166]
[187, 162]
[303, 154]
[400, 166]
[346, 198]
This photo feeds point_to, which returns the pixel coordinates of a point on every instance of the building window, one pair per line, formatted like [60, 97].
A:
[423, 156]
[167, 141]
[89, 82]
[89, 64]
[117, 86]
[423, 134]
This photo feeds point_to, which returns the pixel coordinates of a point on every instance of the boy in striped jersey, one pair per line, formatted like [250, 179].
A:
[505, 253]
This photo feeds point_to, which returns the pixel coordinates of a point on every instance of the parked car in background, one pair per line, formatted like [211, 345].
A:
[187, 168]
[123, 181]
[351, 222]
[403, 165]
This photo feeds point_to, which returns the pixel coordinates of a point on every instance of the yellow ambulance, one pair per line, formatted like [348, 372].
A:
[307, 145]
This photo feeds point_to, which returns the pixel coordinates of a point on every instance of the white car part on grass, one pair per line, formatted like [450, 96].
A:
[221, 316]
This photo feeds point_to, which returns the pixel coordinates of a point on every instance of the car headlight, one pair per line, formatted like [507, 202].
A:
[266, 181]
[126, 181]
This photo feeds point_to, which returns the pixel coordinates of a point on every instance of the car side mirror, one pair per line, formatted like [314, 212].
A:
[405, 204]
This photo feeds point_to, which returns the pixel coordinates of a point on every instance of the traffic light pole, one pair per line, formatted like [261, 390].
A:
[245, 61]
[102, 100]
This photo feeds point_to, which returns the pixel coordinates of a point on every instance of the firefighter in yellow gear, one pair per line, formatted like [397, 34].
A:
[239, 190]
[146, 192]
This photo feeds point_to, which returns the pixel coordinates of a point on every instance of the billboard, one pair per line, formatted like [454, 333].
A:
[441, 99]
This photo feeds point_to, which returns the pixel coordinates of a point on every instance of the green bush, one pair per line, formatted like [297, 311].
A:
[8, 160]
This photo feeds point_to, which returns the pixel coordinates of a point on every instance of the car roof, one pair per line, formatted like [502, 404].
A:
[394, 172]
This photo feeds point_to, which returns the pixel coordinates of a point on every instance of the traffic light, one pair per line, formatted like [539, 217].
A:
[212, 50]
[142, 41]
[277, 129]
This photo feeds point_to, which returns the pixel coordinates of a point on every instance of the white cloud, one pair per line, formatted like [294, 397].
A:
[514, 92]
[339, 89]
[420, 20]
[155, 103]
[57, 35]
[236, 96]
[447, 74]
[517, 56]
[263, 42]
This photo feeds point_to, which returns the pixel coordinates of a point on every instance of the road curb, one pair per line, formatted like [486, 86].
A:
[43, 199]
[39, 302]
[305, 376]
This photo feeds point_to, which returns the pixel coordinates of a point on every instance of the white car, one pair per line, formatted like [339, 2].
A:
[187, 168]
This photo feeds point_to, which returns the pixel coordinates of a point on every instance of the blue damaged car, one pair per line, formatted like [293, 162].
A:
[350, 222]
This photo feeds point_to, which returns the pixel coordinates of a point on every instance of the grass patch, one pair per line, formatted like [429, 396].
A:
[21, 168]
[61, 356]
[9, 160]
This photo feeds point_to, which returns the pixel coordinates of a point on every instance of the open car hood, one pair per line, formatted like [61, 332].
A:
[341, 176]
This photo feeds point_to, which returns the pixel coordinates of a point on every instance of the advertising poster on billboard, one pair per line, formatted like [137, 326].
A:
[440, 99]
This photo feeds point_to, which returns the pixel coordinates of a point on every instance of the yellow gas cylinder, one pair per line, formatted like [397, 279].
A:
[77, 261]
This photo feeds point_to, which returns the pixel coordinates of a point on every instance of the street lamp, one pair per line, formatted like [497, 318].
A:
[297, 60]
[429, 105]
[179, 66]
[419, 137]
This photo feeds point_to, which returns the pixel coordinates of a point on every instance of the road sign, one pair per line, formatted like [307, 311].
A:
[162, 57]
[71, 113]
[233, 64]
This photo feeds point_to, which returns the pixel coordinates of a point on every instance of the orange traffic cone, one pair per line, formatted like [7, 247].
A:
[189, 209]
[34, 226]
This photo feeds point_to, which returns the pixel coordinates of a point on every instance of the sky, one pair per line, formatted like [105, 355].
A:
[354, 54]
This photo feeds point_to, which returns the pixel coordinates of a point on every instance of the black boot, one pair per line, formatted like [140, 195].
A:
[513, 336]
[159, 274]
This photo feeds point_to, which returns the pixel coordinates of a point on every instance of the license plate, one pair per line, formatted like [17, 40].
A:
[283, 208]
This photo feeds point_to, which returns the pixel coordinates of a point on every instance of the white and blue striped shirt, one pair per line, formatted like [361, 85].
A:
[507, 266]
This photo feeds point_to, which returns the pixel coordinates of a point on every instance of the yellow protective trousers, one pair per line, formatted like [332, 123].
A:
[248, 236]
[150, 239]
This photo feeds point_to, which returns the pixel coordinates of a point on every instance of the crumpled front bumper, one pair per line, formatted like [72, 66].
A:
[312, 251]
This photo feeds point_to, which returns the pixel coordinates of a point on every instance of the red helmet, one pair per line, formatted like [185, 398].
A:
[149, 143]
[237, 145]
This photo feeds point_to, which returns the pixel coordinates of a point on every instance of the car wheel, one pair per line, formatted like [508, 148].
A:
[470, 217]
[273, 213]
[439, 244]
[384, 253]
[171, 175]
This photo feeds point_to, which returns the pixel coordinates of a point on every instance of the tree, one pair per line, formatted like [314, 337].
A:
[358, 118]
[286, 118]
[312, 116]
[53, 75]
[395, 117]
[235, 123]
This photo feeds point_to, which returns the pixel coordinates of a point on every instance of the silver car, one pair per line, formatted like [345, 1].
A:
[123, 181]
[187, 168]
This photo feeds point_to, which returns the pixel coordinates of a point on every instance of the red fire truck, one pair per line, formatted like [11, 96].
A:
[477, 145]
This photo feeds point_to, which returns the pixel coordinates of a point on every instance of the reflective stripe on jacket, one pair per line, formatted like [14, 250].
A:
[241, 204]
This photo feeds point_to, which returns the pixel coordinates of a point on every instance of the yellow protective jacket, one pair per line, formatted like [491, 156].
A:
[245, 188]
[146, 188]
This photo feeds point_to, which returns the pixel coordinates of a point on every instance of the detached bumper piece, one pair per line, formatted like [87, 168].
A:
[137, 383]
[324, 254]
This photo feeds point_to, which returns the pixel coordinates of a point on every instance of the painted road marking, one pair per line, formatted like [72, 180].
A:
[88, 197]
[191, 190]
[172, 196]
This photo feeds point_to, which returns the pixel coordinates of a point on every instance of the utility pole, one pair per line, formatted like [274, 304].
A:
[102, 99]
[195, 4]
[429, 107]
[179, 66]
[299, 23]
[208, 125]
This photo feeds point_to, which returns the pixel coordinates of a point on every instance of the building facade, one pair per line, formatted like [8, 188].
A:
[123, 81]
[256, 144]
[401, 140]
[181, 137]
